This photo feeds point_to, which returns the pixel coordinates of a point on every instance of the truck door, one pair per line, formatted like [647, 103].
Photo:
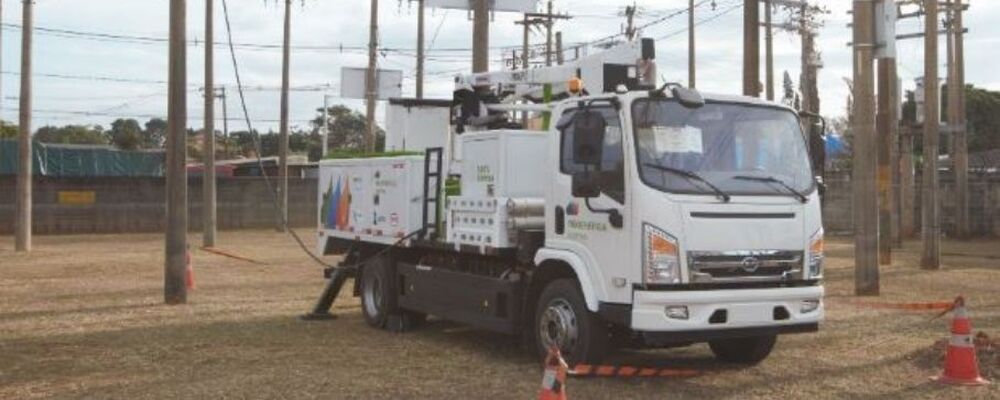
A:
[590, 231]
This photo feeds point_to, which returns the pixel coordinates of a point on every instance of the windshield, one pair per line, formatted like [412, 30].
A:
[738, 148]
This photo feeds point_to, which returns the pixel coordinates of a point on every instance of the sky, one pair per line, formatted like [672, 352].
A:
[98, 60]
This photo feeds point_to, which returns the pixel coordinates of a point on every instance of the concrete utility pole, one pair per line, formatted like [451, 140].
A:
[885, 124]
[525, 47]
[931, 219]
[174, 290]
[960, 151]
[864, 200]
[208, 209]
[22, 239]
[371, 80]
[420, 53]
[907, 183]
[751, 48]
[481, 36]
[692, 75]
[810, 62]
[283, 140]
[559, 48]
[769, 50]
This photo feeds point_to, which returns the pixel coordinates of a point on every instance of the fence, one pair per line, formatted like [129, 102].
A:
[984, 205]
[116, 205]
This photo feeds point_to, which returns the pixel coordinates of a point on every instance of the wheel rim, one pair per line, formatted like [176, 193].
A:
[373, 295]
[558, 326]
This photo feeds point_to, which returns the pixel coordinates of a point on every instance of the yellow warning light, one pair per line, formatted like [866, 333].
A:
[575, 85]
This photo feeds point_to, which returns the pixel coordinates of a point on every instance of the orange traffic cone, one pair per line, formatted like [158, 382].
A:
[960, 365]
[189, 272]
[554, 379]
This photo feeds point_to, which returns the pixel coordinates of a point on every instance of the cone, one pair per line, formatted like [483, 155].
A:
[189, 272]
[554, 379]
[960, 365]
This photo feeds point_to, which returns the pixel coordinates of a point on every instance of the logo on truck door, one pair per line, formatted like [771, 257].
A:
[750, 264]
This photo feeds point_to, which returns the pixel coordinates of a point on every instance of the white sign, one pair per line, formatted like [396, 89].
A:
[352, 83]
[518, 6]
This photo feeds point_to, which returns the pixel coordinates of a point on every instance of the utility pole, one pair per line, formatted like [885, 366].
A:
[481, 36]
[208, 209]
[559, 48]
[371, 80]
[629, 20]
[769, 50]
[22, 240]
[420, 54]
[907, 182]
[548, 37]
[864, 200]
[930, 227]
[960, 150]
[751, 48]
[174, 289]
[282, 219]
[225, 122]
[525, 57]
[885, 133]
[691, 46]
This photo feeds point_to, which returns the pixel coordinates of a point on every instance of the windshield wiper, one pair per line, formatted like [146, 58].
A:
[691, 176]
[770, 179]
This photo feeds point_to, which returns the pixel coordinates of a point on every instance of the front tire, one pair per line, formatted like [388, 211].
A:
[563, 320]
[379, 297]
[748, 350]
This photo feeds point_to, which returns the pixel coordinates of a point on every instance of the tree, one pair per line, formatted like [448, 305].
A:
[126, 134]
[155, 133]
[9, 130]
[791, 97]
[347, 128]
[72, 134]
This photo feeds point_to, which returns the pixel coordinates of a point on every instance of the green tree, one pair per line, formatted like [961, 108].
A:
[126, 134]
[347, 128]
[155, 133]
[72, 134]
[9, 130]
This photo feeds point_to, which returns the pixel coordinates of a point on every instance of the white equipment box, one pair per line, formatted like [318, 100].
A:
[373, 199]
[416, 125]
[504, 164]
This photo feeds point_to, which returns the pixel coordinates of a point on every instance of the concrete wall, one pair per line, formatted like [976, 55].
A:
[984, 205]
[138, 205]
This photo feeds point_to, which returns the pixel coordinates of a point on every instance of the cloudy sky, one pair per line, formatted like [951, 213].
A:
[97, 60]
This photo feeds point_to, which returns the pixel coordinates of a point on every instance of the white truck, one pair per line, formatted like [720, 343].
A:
[639, 216]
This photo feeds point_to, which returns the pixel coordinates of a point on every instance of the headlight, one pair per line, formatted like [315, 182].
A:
[661, 261]
[814, 268]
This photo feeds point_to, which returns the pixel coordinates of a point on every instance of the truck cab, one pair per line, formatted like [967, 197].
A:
[683, 221]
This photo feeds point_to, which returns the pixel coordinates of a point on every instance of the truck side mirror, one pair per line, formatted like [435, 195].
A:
[585, 185]
[588, 137]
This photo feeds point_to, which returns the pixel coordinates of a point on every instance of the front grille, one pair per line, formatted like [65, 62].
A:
[744, 266]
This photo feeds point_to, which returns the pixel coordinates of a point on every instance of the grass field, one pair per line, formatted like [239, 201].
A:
[82, 317]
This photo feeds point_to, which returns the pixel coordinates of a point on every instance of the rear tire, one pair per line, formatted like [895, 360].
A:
[380, 297]
[563, 320]
[748, 350]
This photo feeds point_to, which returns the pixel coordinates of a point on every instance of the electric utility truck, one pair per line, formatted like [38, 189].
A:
[582, 206]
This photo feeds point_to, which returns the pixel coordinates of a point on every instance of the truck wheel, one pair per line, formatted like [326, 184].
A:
[562, 320]
[379, 302]
[748, 350]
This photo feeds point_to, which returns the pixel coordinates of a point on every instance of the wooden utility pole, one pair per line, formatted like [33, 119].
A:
[931, 218]
[208, 209]
[692, 75]
[907, 183]
[864, 200]
[22, 239]
[956, 103]
[629, 20]
[174, 290]
[885, 123]
[481, 36]
[420, 50]
[548, 37]
[751, 48]
[525, 47]
[371, 80]
[282, 221]
[768, 50]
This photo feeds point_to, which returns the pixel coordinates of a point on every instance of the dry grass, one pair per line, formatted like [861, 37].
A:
[82, 317]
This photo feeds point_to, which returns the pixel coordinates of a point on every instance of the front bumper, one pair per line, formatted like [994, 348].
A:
[725, 309]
